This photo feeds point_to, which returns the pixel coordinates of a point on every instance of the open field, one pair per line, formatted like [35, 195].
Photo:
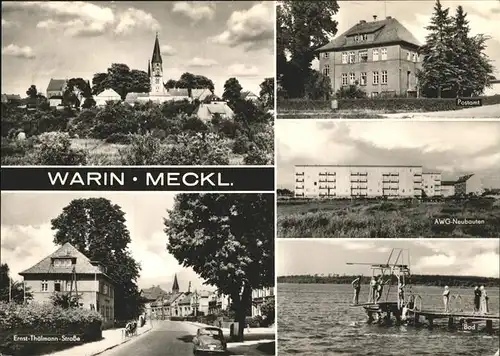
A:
[387, 219]
[103, 153]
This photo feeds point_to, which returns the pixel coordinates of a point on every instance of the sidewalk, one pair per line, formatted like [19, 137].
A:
[111, 339]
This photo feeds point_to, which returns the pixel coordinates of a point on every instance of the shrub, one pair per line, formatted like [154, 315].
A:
[45, 319]
[119, 138]
[241, 144]
[188, 149]
[258, 157]
[55, 149]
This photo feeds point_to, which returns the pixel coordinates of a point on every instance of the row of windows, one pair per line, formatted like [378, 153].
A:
[351, 78]
[58, 287]
[377, 54]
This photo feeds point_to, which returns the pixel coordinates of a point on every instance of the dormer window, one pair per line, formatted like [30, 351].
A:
[62, 262]
[365, 37]
[356, 38]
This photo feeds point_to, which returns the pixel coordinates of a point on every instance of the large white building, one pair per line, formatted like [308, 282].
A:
[345, 181]
[431, 184]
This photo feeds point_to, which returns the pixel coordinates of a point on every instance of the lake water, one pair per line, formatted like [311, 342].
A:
[317, 319]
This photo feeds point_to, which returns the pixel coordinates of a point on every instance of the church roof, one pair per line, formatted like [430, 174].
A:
[156, 52]
[175, 286]
[56, 84]
[385, 31]
[82, 264]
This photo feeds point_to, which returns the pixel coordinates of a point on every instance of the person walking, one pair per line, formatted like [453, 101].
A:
[446, 299]
[356, 284]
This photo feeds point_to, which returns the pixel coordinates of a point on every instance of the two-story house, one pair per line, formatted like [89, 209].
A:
[67, 270]
[381, 57]
[259, 296]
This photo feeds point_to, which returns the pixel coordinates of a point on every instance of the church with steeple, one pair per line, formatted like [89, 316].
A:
[158, 92]
[155, 71]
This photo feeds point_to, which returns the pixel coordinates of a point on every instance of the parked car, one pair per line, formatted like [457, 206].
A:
[209, 340]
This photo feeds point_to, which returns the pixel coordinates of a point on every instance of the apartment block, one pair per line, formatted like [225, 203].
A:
[346, 181]
[381, 57]
[431, 184]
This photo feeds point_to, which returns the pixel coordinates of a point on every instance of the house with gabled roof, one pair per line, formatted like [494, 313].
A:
[207, 111]
[56, 87]
[380, 57]
[67, 270]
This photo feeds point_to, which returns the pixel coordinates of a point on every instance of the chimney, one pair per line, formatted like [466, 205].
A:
[374, 17]
[362, 21]
[388, 17]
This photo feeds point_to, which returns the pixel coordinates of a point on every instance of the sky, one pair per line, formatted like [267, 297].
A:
[43, 40]
[452, 147]
[483, 18]
[26, 235]
[444, 257]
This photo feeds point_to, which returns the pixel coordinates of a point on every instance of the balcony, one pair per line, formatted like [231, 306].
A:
[299, 187]
[322, 174]
[323, 180]
[331, 174]
[299, 180]
[299, 173]
[331, 180]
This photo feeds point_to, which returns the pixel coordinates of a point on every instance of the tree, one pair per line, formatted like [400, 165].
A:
[437, 66]
[302, 27]
[232, 91]
[191, 81]
[121, 79]
[267, 93]
[170, 84]
[318, 86]
[96, 228]
[228, 241]
[268, 310]
[32, 92]
[18, 294]
[65, 299]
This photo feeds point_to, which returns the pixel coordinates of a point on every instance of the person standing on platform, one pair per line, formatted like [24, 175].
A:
[356, 284]
[477, 299]
[446, 299]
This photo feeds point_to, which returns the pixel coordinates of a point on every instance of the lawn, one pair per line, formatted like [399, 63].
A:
[330, 114]
[386, 219]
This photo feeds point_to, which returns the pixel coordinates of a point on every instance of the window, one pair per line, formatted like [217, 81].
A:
[157, 80]
[408, 56]
[363, 56]
[384, 77]
[325, 55]
[62, 262]
[352, 57]
[383, 53]
[326, 70]
[362, 78]
[375, 77]
[344, 57]
[45, 286]
[105, 289]
[352, 78]
[415, 57]
[57, 286]
[365, 37]
[375, 54]
[344, 78]
[356, 38]
[68, 285]
[315, 183]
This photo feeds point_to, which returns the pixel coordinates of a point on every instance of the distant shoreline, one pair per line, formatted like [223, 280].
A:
[421, 280]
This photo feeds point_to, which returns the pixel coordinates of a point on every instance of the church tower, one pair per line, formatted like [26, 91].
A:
[175, 286]
[156, 76]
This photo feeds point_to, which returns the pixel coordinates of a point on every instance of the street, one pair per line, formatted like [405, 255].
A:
[167, 338]
[487, 111]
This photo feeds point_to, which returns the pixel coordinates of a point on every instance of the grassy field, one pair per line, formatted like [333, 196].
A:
[330, 114]
[102, 153]
[386, 219]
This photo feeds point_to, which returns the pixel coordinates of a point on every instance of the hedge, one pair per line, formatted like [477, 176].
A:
[44, 319]
[386, 104]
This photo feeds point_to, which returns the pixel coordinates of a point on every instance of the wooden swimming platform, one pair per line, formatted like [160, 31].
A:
[453, 316]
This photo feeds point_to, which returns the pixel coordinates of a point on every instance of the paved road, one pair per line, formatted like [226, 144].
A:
[484, 112]
[167, 338]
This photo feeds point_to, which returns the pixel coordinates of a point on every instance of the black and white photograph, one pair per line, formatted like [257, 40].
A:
[388, 59]
[137, 83]
[388, 179]
[353, 297]
[120, 274]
